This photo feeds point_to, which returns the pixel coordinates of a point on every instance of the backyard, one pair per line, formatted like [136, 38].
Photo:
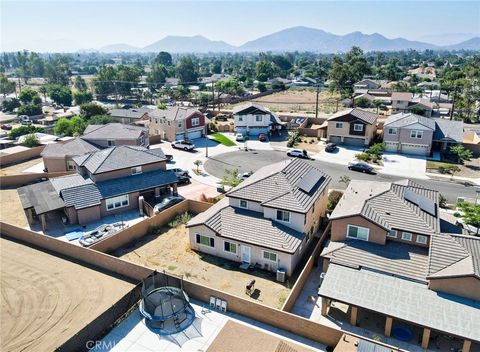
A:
[18, 168]
[11, 210]
[168, 249]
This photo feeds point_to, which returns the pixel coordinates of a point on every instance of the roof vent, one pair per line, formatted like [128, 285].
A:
[388, 213]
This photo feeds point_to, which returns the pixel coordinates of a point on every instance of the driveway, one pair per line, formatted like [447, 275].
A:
[342, 155]
[410, 166]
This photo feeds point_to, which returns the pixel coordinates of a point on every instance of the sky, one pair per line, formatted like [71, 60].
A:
[71, 25]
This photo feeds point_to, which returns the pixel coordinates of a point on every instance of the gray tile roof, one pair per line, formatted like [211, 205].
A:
[402, 96]
[277, 186]
[69, 181]
[241, 108]
[73, 147]
[404, 300]
[385, 204]
[112, 131]
[454, 256]
[401, 120]
[175, 113]
[248, 227]
[399, 259]
[43, 197]
[121, 157]
[365, 116]
[83, 196]
[129, 113]
[446, 129]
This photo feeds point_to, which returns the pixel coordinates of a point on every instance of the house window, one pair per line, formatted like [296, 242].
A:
[179, 124]
[357, 232]
[421, 239]
[142, 140]
[205, 240]
[240, 119]
[339, 125]
[136, 170]
[416, 134]
[406, 236]
[259, 118]
[110, 142]
[117, 202]
[243, 204]
[283, 215]
[168, 123]
[71, 165]
[270, 256]
[195, 121]
[392, 233]
[358, 127]
[230, 247]
[392, 131]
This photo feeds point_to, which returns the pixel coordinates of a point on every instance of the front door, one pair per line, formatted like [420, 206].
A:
[246, 253]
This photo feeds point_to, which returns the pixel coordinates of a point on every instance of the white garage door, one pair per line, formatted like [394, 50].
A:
[415, 149]
[180, 136]
[391, 146]
[194, 134]
[355, 142]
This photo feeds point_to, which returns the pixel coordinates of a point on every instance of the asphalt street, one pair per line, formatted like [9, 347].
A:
[246, 161]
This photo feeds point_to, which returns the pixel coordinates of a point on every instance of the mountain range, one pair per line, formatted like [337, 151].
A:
[291, 39]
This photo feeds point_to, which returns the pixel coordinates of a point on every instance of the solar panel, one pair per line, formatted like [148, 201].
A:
[424, 203]
[307, 182]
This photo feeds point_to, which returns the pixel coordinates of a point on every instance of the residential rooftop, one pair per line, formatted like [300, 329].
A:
[365, 116]
[129, 113]
[448, 130]
[175, 113]
[73, 147]
[113, 131]
[405, 119]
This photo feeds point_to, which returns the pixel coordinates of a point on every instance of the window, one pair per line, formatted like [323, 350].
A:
[117, 202]
[179, 124]
[339, 125]
[421, 239]
[358, 127]
[136, 170]
[357, 232]
[259, 118]
[392, 131]
[205, 240]
[230, 247]
[110, 142]
[240, 119]
[283, 215]
[406, 236]
[392, 233]
[195, 121]
[71, 165]
[270, 256]
[168, 123]
[416, 134]
[142, 139]
[243, 204]
[157, 132]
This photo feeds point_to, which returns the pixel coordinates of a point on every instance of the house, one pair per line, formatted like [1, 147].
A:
[107, 182]
[129, 116]
[58, 157]
[408, 133]
[253, 119]
[268, 220]
[387, 255]
[366, 84]
[353, 127]
[447, 134]
[176, 123]
[116, 134]
[405, 102]
[400, 101]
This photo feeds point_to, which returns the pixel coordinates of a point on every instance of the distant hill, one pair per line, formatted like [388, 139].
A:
[471, 44]
[196, 44]
[118, 48]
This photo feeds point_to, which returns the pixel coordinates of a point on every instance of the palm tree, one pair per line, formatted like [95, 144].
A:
[43, 89]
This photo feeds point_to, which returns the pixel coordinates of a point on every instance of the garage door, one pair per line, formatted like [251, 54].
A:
[415, 149]
[194, 134]
[391, 146]
[335, 139]
[180, 136]
[354, 142]
[255, 131]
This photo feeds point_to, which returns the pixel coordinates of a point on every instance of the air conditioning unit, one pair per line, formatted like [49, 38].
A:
[281, 275]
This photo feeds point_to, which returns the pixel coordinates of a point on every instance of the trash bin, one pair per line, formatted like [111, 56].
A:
[281, 274]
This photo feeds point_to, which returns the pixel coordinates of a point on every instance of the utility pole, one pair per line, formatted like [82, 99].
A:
[453, 103]
[116, 93]
[316, 103]
[206, 141]
[213, 95]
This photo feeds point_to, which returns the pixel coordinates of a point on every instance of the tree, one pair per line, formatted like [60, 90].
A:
[230, 86]
[452, 169]
[80, 84]
[264, 71]
[6, 86]
[262, 87]
[10, 105]
[70, 127]
[27, 95]
[31, 141]
[471, 214]
[186, 70]
[348, 70]
[100, 120]
[363, 102]
[198, 163]
[344, 179]
[163, 58]
[157, 75]
[82, 97]
[333, 199]
[60, 94]
[230, 178]
[23, 130]
[462, 153]
[88, 110]
[162, 106]
[442, 201]
[29, 109]
[43, 90]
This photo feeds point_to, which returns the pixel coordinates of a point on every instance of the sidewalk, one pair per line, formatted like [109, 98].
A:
[475, 181]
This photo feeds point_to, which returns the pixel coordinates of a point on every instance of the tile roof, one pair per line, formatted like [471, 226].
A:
[175, 113]
[249, 227]
[405, 119]
[280, 186]
[399, 259]
[42, 196]
[446, 129]
[63, 182]
[365, 116]
[241, 108]
[130, 113]
[387, 205]
[402, 96]
[83, 196]
[112, 131]
[72, 147]
[454, 256]
[116, 158]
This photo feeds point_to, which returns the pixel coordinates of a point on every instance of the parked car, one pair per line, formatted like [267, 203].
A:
[245, 175]
[169, 158]
[331, 147]
[239, 137]
[179, 172]
[298, 153]
[167, 202]
[361, 167]
[25, 120]
[262, 137]
[6, 126]
[185, 145]
[184, 180]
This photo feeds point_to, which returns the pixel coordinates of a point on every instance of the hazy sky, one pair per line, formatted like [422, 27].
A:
[70, 25]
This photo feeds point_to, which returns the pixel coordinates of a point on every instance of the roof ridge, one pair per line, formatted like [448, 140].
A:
[105, 158]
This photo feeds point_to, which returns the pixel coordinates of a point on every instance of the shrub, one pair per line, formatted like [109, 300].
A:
[333, 199]
[293, 139]
[31, 141]
[23, 130]
[180, 219]
[29, 110]
[442, 201]
[10, 105]
[363, 157]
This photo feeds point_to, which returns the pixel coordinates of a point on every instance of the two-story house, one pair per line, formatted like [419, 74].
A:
[129, 116]
[408, 133]
[252, 119]
[58, 157]
[353, 127]
[400, 101]
[269, 219]
[177, 123]
[107, 182]
[116, 134]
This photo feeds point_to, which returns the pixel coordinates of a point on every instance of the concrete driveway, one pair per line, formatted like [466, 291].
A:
[401, 165]
[342, 155]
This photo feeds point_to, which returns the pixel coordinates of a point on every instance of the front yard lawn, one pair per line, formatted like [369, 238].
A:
[220, 138]
[468, 169]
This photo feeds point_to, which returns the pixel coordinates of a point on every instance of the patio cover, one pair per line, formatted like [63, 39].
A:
[404, 300]
[41, 196]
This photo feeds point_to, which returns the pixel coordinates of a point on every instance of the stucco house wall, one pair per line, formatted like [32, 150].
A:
[339, 229]
[161, 165]
[55, 164]
[462, 286]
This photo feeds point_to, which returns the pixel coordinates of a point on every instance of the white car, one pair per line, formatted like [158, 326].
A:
[297, 153]
[179, 172]
[239, 137]
[185, 145]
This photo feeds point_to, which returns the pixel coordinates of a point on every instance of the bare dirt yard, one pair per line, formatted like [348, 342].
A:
[47, 299]
[11, 210]
[169, 250]
[16, 169]
[468, 169]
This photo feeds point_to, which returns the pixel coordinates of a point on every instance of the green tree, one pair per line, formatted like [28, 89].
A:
[162, 106]
[363, 102]
[163, 58]
[230, 86]
[60, 94]
[462, 153]
[100, 120]
[348, 70]
[43, 90]
[88, 110]
[471, 214]
[261, 87]
[231, 178]
[29, 109]
[198, 163]
[264, 71]
[6, 86]
[157, 75]
[23, 130]
[10, 105]
[31, 141]
[27, 95]
[70, 127]
[186, 70]
[82, 97]
[80, 84]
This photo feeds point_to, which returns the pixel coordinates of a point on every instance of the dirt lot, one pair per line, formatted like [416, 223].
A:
[169, 250]
[18, 168]
[469, 169]
[310, 144]
[45, 299]
[11, 210]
